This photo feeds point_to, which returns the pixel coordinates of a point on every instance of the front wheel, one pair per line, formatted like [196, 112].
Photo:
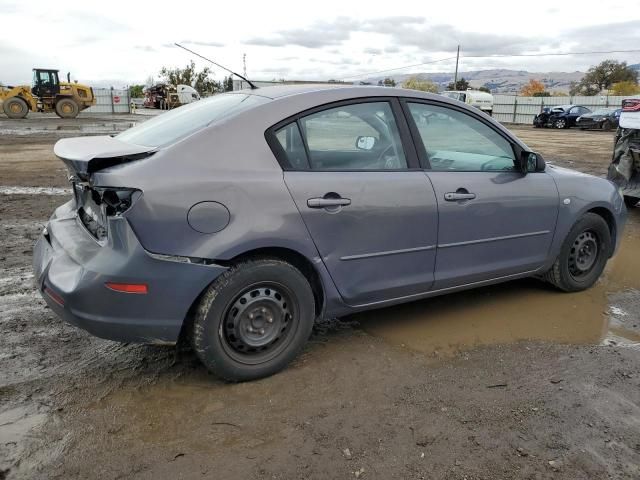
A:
[631, 202]
[15, 107]
[606, 125]
[253, 320]
[583, 255]
[560, 123]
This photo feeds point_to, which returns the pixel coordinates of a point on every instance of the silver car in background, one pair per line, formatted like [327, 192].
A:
[238, 220]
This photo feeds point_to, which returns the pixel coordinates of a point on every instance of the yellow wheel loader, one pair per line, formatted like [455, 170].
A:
[47, 94]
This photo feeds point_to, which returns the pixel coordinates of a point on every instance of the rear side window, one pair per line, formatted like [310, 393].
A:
[291, 142]
[168, 128]
[361, 136]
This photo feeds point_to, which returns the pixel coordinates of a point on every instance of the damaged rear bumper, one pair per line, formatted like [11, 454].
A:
[71, 269]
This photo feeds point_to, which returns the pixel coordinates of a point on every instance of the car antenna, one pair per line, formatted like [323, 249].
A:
[253, 87]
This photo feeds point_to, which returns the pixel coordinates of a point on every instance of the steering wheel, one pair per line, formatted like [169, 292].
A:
[389, 163]
[489, 165]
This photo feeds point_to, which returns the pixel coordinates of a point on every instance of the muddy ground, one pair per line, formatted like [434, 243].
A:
[510, 381]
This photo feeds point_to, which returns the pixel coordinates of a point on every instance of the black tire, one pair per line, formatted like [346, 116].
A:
[67, 108]
[571, 274]
[15, 107]
[606, 125]
[253, 320]
[631, 202]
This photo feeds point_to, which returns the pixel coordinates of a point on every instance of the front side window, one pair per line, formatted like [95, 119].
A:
[362, 136]
[456, 141]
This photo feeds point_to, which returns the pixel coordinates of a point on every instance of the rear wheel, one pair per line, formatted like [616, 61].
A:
[253, 320]
[15, 107]
[583, 255]
[631, 201]
[67, 108]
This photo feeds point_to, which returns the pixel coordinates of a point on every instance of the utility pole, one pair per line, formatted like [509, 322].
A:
[455, 78]
[244, 64]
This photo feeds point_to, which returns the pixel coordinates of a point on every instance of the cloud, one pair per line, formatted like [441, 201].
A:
[317, 35]
[372, 51]
[401, 32]
[611, 36]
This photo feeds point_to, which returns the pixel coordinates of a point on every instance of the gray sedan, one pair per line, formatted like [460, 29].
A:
[237, 221]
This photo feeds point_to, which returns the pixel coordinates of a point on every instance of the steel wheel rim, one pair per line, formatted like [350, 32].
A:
[584, 254]
[259, 323]
[15, 107]
[560, 123]
[66, 108]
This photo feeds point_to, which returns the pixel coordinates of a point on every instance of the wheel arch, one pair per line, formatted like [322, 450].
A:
[610, 218]
[295, 258]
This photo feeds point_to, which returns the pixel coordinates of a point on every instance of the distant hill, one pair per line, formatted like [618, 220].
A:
[497, 80]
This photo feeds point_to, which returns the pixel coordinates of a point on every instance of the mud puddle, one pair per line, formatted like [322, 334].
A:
[521, 310]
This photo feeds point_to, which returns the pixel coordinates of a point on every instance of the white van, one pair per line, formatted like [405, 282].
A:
[475, 98]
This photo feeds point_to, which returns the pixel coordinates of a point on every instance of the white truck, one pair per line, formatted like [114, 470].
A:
[475, 98]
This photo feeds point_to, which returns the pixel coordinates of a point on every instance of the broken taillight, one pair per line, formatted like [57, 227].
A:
[116, 201]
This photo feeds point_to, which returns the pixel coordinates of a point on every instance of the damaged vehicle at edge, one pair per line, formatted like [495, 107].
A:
[624, 170]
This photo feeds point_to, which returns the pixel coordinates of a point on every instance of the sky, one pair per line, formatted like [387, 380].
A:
[118, 43]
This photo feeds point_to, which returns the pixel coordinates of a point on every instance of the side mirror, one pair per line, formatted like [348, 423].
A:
[531, 162]
[365, 143]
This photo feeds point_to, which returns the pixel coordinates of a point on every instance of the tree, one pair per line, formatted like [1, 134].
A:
[389, 82]
[461, 84]
[603, 76]
[531, 88]
[227, 84]
[136, 91]
[414, 83]
[625, 88]
[189, 76]
[484, 88]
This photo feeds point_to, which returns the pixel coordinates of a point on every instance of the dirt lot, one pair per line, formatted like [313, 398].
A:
[511, 381]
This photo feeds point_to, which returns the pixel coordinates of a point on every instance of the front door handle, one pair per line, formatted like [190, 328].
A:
[457, 196]
[328, 202]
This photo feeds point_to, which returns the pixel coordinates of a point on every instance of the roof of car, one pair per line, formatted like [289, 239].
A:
[281, 91]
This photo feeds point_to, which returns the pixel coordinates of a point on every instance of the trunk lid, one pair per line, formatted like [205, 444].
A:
[85, 155]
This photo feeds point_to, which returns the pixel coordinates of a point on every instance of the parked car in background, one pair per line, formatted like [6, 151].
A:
[541, 119]
[475, 98]
[603, 119]
[565, 116]
[237, 221]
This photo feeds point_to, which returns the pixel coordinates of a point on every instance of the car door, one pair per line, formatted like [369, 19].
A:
[354, 176]
[574, 113]
[493, 220]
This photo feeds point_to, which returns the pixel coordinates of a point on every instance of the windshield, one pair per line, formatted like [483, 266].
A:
[168, 128]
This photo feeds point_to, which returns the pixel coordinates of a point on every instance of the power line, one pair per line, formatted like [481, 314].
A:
[550, 54]
[559, 54]
[399, 68]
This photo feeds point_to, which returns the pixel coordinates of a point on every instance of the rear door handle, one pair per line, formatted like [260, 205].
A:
[328, 202]
[455, 196]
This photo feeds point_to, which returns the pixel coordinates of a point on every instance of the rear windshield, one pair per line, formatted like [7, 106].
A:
[167, 128]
